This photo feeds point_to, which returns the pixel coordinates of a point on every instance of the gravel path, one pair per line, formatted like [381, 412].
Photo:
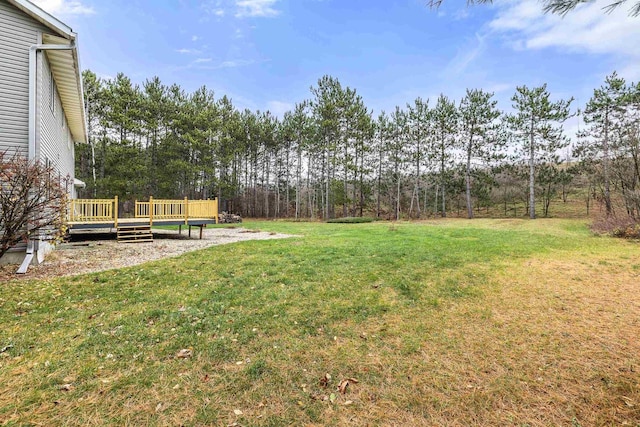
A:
[92, 252]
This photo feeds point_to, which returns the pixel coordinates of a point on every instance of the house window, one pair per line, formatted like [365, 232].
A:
[52, 94]
[47, 164]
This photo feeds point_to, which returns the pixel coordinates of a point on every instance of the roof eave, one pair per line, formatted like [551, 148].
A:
[44, 18]
[67, 68]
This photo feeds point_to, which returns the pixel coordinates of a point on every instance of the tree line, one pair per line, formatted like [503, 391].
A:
[331, 156]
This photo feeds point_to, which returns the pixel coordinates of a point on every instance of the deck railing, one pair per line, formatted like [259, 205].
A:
[93, 210]
[177, 209]
[106, 210]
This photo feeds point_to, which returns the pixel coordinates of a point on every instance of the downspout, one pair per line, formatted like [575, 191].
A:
[32, 246]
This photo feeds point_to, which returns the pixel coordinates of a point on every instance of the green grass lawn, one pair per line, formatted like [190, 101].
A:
[484, 322]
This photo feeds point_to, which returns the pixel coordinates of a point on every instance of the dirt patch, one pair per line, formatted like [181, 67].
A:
[96, 251]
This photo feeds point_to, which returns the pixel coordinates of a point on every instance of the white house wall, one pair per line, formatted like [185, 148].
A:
[54, 143]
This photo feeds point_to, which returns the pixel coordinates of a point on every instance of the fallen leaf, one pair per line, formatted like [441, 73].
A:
[348, 402]
[237, 411]
[342, 387]
[66, 387]
[324, 381]
[185, 353]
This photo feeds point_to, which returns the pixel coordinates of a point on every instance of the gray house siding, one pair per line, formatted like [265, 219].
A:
[53, 141]
[17, 33]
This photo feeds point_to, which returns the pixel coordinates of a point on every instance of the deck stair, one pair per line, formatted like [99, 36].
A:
[135, 233]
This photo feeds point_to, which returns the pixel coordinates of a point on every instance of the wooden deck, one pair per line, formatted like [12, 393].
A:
[103, 213]
[78, 225]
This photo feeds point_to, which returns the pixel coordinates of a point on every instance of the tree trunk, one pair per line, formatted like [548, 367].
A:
[286, 197]
[362, 180]
[345, 180]
[442, 182]
[605, 165]
[379, 183]
[265, 184]
[398, 195]
[532, 174]
[298, 173]
[467, 177]
[327, 186]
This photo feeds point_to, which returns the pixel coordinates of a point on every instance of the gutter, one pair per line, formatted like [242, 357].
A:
[33, 86]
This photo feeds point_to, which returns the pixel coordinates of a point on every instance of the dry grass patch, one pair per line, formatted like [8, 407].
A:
[451, 323]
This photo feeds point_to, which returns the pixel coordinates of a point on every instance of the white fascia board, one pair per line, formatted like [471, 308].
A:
[44, 18]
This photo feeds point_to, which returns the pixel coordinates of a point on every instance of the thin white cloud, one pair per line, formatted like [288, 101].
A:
[278, 108]
[587, 29]
[65, 7]
[500, 87]
[195, 38]
[461, 14]
[208, 64]
[465, 57]
[235, 63]
[213, 8]
[256, 8]
[189, 51]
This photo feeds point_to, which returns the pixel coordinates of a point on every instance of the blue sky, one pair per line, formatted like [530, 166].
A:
[265, 54]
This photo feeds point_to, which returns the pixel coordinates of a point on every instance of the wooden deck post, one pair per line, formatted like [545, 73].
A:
[115, 211]
[186, 211]
[150, 210]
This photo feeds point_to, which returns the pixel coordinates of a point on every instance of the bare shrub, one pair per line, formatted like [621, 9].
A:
[32, 201]
[625, 227]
